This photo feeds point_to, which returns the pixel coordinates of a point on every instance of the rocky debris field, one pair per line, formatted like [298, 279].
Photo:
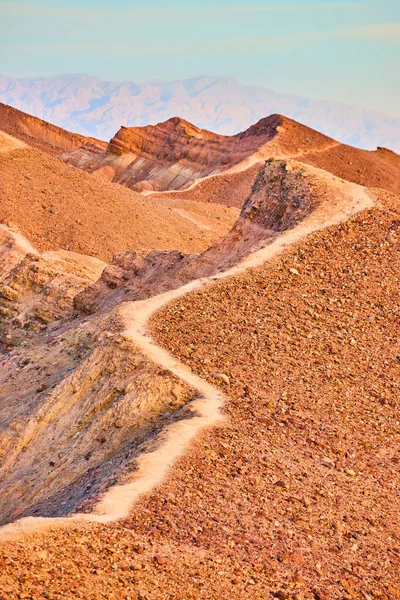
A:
[296, 495]
[302, 486]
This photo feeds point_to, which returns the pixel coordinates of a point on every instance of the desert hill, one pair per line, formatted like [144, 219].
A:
[213, 413]
[57, 206]
[80, 391]
[176, 155]
[41, 134]
[293, 495]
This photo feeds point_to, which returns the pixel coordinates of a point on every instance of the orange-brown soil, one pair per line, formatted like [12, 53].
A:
[57, 206]
[296, 495]
[228, 189]
[40, 134]
[380, 168]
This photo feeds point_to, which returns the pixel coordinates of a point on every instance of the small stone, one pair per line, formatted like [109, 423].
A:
[327, 462]
[118, 424]
[281, 594]
[351, 472]
[41, 388]
[294, 271]
[338, 526]
[159, 560]
[297, 558]
[281, 484]
[222, 377]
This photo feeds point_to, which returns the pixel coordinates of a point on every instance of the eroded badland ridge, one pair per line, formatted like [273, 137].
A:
[199, 382]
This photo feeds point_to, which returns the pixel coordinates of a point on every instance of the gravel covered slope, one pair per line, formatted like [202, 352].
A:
[296, 496]
[304, 482]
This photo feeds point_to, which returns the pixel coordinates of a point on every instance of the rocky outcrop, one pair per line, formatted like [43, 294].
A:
[78, 401]
[283, 194]
[38, 289]
[78, 404]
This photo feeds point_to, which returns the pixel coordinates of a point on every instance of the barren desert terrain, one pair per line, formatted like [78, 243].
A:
[199, 387]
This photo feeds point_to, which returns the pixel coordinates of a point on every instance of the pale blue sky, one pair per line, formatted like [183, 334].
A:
[348, 51]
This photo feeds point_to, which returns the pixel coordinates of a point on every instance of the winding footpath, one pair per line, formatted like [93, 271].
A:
[153, 467]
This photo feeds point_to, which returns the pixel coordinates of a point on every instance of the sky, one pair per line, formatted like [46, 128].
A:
[341, 50]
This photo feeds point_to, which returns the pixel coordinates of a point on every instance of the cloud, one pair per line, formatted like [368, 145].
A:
[385, 32]
[51, 11]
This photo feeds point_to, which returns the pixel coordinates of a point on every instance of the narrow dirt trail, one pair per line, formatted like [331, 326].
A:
[153, 467]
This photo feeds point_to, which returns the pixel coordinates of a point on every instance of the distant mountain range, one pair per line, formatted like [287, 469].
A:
[92, 107]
